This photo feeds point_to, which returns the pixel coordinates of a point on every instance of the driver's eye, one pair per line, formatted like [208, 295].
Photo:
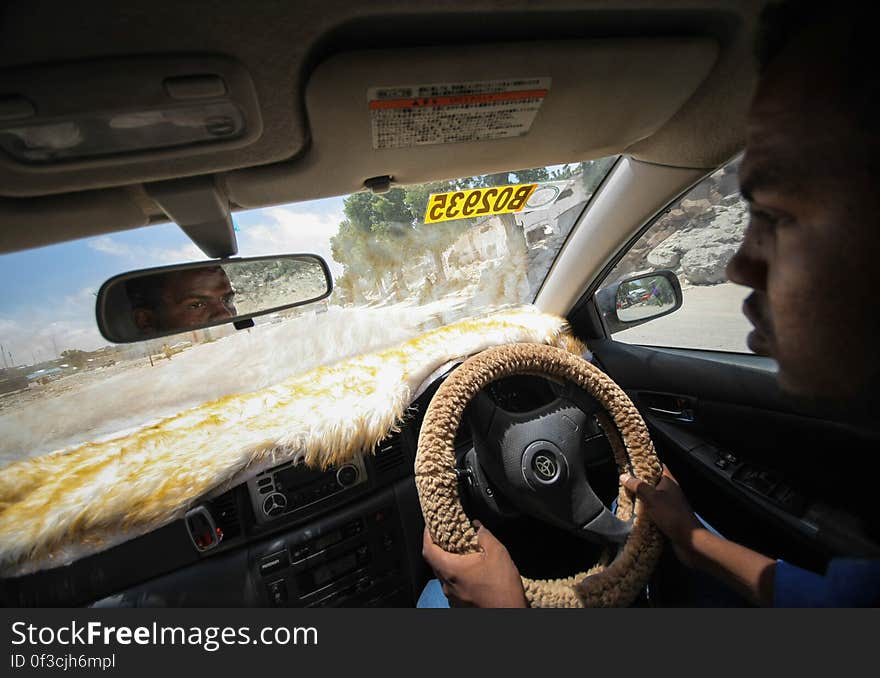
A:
[766, 218]
[196, 305]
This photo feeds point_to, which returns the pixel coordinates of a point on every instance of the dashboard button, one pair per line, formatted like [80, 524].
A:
[278, 592]
[347, 475]
[273, 563]
[352, 529]
[300, 552]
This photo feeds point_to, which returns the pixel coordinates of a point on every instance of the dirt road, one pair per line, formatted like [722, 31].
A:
[710, 318]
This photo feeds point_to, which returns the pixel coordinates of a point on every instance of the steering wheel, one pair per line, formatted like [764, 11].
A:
[536, 461]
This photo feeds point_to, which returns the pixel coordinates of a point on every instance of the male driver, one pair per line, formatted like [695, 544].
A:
[180, 299]
[810, 176]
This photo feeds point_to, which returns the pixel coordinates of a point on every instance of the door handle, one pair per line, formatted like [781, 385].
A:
[679, 415]
[669, 406]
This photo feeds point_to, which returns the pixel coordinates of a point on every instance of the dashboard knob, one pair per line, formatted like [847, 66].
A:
[347, 475]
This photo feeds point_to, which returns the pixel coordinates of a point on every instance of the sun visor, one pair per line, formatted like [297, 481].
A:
[423, 114]
[54, 218]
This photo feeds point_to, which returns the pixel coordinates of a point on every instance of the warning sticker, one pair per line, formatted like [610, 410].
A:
[477, 202]
[446, 113]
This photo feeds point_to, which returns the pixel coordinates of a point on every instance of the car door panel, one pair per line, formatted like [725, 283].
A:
[763, 469]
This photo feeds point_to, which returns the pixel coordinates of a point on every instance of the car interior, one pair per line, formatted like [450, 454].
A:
[281, 94]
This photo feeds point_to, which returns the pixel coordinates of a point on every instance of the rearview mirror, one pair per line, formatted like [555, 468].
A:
[637, 300]
[156, 302]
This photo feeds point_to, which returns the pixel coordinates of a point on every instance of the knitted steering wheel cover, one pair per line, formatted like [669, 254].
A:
[606, 584]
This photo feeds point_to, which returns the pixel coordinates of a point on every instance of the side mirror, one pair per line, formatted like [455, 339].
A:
[635, 301]
[156, 302]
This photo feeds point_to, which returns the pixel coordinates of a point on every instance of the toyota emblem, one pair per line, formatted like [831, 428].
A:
[545, 466]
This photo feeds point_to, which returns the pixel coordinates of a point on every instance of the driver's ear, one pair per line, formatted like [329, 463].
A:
[144, 319]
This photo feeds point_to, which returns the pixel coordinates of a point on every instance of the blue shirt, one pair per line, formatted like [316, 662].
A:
[849, 582]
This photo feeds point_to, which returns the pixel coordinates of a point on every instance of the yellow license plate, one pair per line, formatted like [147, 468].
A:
[477, 202]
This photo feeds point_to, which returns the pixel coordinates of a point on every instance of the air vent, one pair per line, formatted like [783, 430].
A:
[225, 511]
[272, 470]
[390, 455]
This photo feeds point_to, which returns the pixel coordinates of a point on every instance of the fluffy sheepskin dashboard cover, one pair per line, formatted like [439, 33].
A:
[62, 506]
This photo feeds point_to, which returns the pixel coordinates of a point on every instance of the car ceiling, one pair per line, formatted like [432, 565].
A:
[664, 82]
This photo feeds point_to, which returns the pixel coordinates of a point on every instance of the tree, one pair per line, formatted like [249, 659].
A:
[531, 176]
[378, 213]
[384, 234]
[565, 172]
[364, 253]
[593, 172]
[435, 239]
[516, 240]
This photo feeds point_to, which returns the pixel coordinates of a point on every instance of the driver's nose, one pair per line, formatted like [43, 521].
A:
[748, 266]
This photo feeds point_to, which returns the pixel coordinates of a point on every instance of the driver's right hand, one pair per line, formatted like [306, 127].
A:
[669, 509]
[488, 578]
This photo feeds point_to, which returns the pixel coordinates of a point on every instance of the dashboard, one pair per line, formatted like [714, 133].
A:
[290, 536]
[352, 535]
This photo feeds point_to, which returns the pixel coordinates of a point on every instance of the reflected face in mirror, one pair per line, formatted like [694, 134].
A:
[158, 302]
[181, 299]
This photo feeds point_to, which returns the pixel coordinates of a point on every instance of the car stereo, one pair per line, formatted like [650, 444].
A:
[290, 487]
[353, 559]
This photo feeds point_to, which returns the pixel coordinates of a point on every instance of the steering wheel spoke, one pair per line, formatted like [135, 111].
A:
[536, 460]
[607, 527]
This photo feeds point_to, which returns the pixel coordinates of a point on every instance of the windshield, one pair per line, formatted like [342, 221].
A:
[395, 276]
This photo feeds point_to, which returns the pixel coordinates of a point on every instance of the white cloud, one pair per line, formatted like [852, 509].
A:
[285, 230]
[293, 231]
[77, 300]
[108, 245]
[150, 256]
[43, 332]
[28, 341]
[7, 325]
[178, 255]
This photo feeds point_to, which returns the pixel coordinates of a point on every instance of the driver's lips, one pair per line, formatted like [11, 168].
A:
[759, 339]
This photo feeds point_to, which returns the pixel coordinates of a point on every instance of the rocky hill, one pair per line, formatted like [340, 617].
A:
[695, 237]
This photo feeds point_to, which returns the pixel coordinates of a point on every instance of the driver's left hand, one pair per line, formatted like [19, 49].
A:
[488, 578]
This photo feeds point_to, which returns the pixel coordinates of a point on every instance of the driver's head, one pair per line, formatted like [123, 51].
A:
[810, 175]
[181, 299]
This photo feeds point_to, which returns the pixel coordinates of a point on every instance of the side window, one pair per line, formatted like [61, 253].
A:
[695, 238]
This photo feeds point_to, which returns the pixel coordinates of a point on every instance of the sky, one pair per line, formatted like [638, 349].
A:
[48, 294]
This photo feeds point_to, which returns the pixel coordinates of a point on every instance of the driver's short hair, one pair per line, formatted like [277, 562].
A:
[781, 22]
[146, 291]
